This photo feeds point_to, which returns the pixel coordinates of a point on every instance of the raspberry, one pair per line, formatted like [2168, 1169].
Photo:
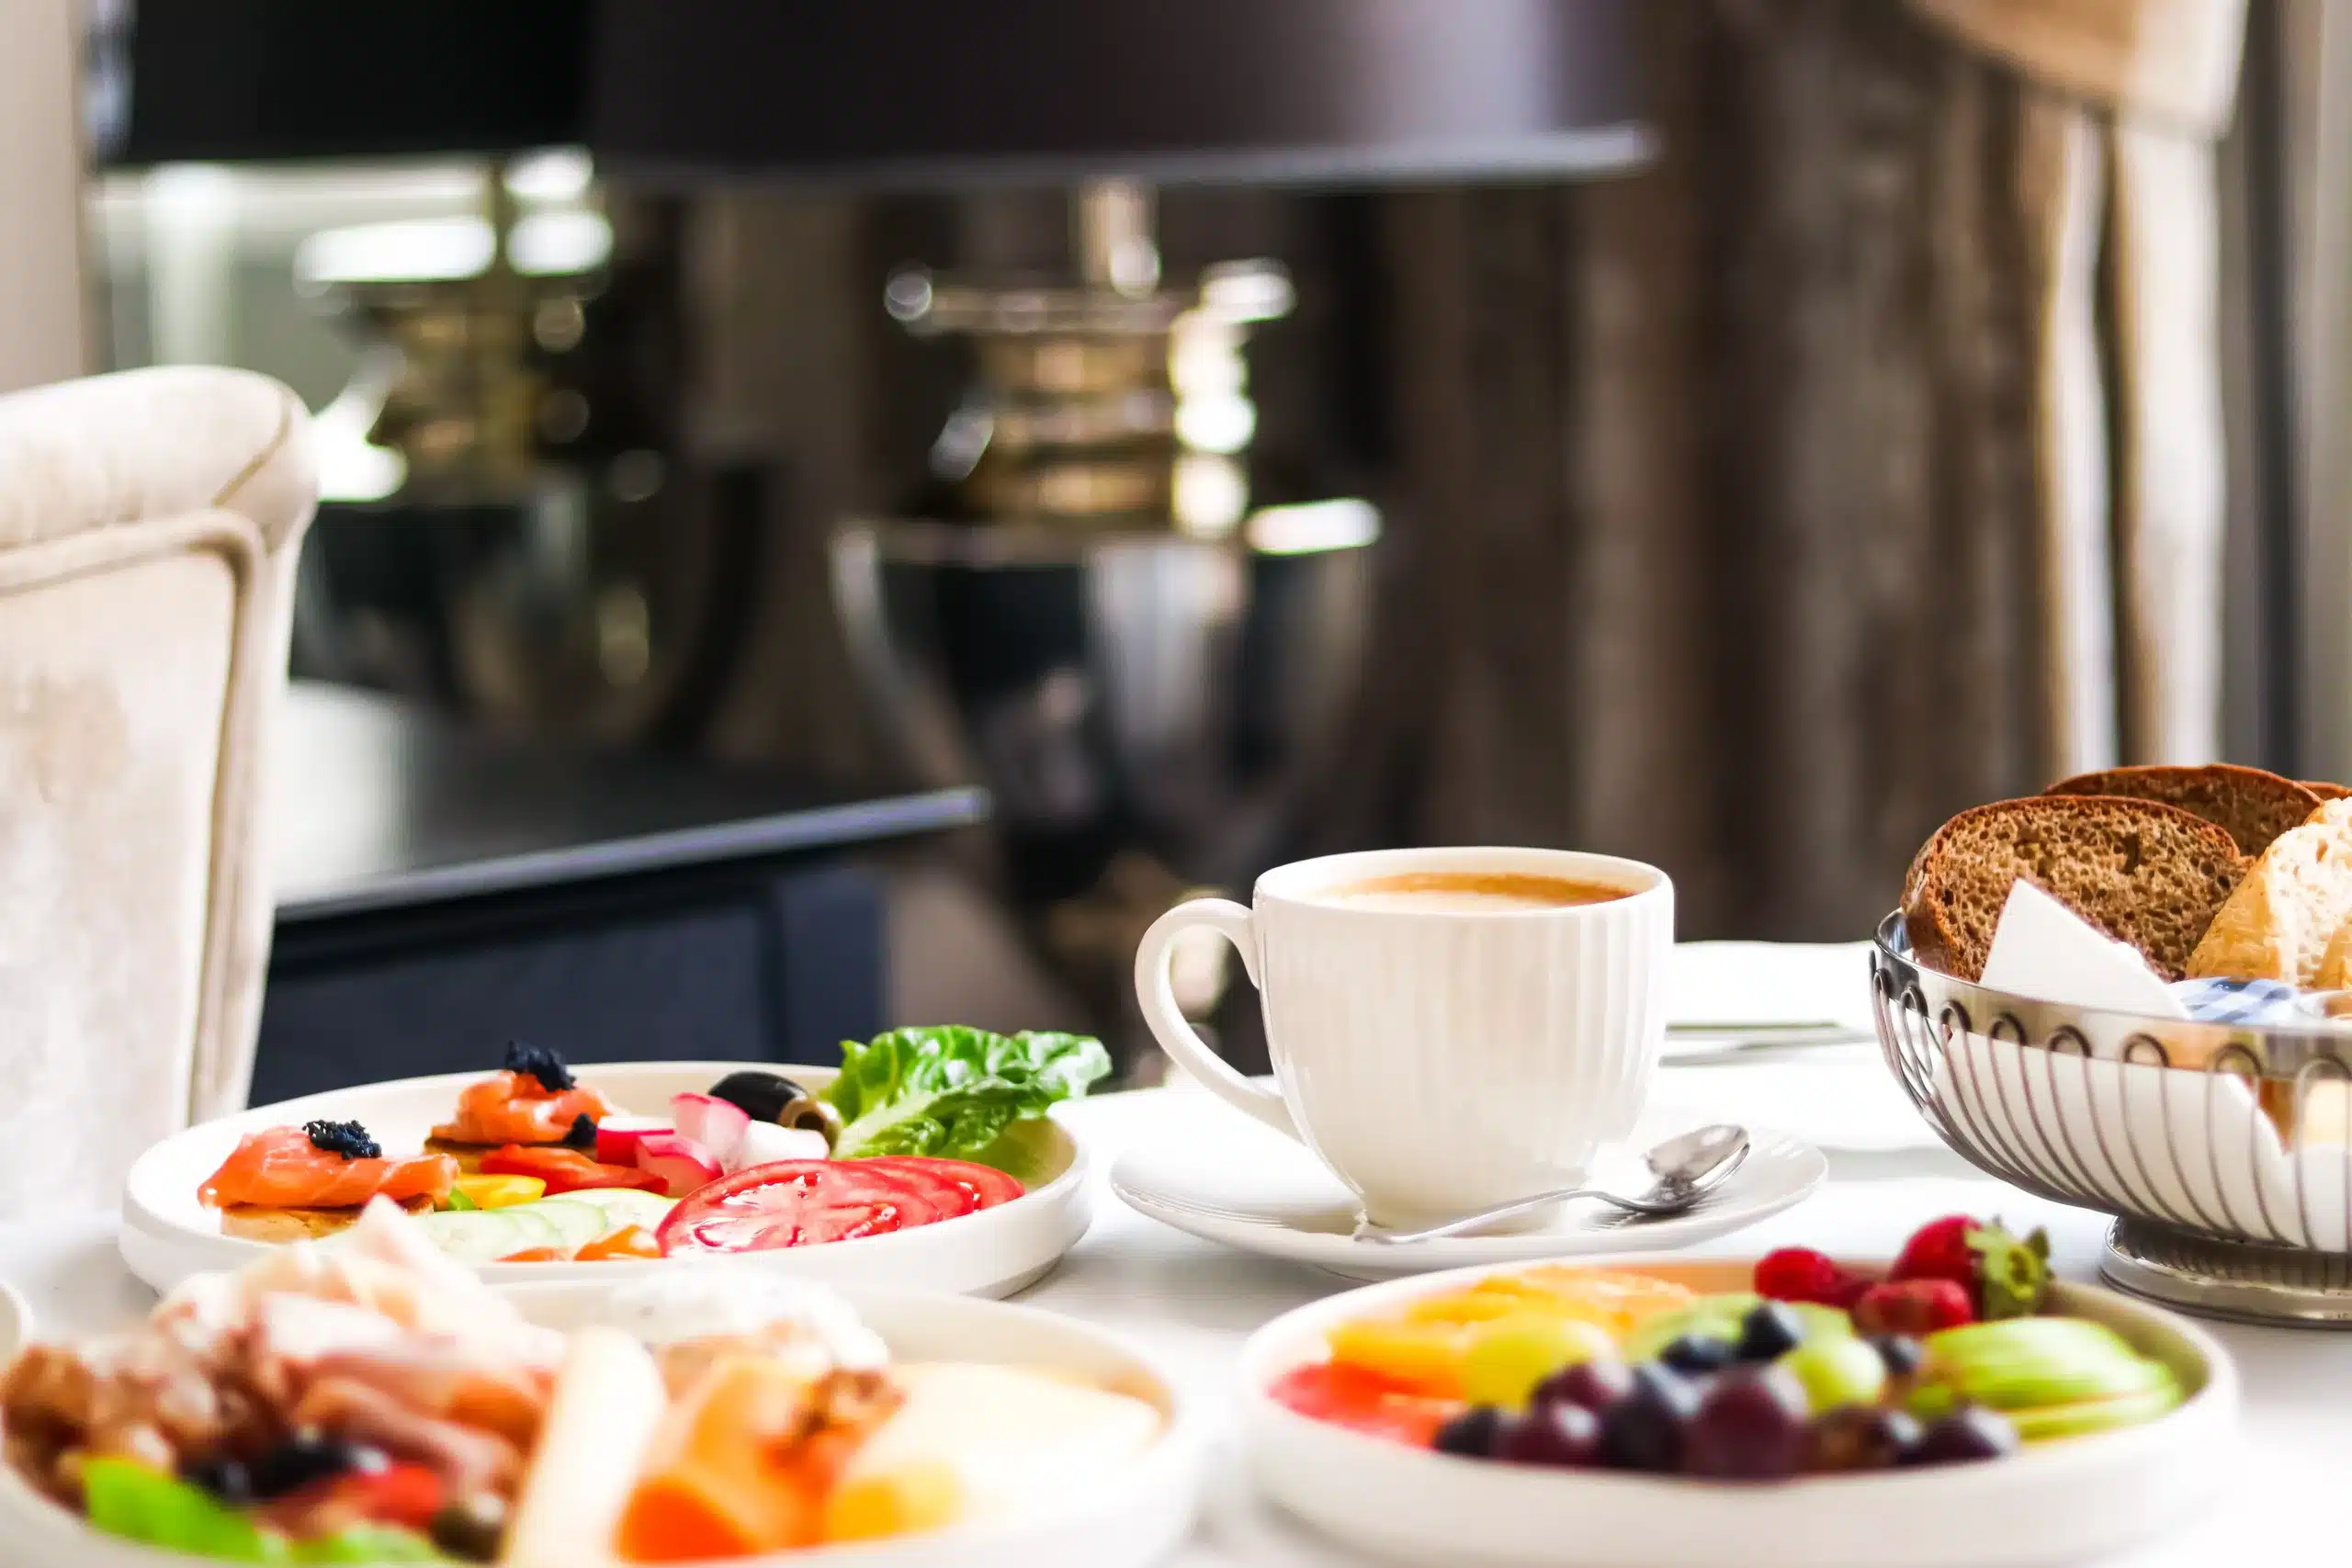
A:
[1916, 1307]
[1800, 1274]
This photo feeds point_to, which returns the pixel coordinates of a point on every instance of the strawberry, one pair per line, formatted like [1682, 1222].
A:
[1800, 1274]
[2004, 1277]
[1916, 1307]
[1938, 1250]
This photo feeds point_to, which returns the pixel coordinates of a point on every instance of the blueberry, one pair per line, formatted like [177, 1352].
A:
[1696, 1354]
[1967, 1434]
[1644, 1429]
[1768, 1332]
[1901, 1353]
[1471, 1434]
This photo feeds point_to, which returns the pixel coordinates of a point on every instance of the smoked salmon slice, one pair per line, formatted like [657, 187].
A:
[517, 1108]
[282, 1167]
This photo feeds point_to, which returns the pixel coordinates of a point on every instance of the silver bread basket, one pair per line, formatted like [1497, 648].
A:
[2225, 1150]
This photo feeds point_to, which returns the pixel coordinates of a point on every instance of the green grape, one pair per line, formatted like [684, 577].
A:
[1837, 1371]
[1511, 1355]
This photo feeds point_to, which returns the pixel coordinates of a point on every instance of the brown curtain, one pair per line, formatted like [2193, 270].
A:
[1749, 516]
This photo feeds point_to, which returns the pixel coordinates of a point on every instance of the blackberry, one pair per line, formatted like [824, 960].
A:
[540, 1062]
[348, 1139]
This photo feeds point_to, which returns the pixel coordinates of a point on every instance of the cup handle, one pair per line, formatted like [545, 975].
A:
[1157, 991]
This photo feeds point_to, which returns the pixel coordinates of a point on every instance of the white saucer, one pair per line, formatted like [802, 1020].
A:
[15, 1322]
[1221, 1176]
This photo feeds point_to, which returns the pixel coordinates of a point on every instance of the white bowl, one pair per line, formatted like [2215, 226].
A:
[15, 1322]
[1134, 1521]
[2059, 1502]
[167, 1234]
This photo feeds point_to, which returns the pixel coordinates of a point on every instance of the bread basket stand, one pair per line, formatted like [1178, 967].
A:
[2223, 1150]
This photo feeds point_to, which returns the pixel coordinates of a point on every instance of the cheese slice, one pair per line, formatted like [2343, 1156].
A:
[975, 1441]
[608, 1401]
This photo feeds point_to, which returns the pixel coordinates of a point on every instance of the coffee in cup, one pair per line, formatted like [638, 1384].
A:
[1450, 1027]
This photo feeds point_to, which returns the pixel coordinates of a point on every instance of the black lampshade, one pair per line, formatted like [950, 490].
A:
[925, 93]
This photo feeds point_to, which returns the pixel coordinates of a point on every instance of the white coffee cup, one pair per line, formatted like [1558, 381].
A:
[1438, 1058]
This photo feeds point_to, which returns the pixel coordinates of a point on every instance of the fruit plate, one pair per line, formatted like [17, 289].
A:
[1134, 1521]
[166, 1235]
[2051, 1504]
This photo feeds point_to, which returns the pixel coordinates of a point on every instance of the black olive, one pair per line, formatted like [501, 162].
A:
[761, 1096]
[348, 1139]
[225, 1478]
[309, 1456]
[472, 1529]
[539, 1062]
[582, 1134]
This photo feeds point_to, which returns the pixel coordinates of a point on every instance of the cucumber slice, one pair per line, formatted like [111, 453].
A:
[482, 1235]
[625, 1206]
[578, 1223]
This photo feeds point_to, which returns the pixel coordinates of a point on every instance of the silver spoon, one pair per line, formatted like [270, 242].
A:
[1688, 1166]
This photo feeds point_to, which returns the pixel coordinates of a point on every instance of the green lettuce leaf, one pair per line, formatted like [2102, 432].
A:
[951, 1091]
[138, 1504]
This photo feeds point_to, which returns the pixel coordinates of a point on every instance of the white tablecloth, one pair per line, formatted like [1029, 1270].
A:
[1194, 1304]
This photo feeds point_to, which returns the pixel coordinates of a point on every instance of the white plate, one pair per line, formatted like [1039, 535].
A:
[2061, 1503]
[1225, 1179]
[166, 1235]
[1134, 1521]
[15, 1322]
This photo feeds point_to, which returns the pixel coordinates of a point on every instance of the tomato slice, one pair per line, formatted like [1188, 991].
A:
[1363, 1401]
[982, 1186]
[565, 1170]
[796, 1203]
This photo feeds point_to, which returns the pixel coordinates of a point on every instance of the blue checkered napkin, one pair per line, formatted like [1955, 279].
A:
[2240, 1001]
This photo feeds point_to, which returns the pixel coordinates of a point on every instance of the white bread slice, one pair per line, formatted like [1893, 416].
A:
[2335, 964]
[2279, 922]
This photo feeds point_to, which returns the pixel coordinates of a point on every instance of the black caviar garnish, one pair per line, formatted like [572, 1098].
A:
[348, 1139]
[540, 1062]
[582, 1134]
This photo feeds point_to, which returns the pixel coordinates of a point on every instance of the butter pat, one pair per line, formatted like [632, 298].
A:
[2043, 949]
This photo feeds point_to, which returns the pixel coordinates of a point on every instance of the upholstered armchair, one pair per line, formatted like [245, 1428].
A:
[149, 526]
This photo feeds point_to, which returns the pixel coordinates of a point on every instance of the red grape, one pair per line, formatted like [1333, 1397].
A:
[1750, 1426]
[1556, 1433]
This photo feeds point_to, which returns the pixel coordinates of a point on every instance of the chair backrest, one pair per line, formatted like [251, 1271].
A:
[149, 526]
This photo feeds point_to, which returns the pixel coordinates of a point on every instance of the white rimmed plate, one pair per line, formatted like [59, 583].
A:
[1225, 1179]
[2059, 1502]
[15, 1322]
[167, 1234]
[1133, 1521]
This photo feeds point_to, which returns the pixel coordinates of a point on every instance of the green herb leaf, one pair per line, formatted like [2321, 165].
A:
[368, 1544]
[951, 1090]
[130, 1500]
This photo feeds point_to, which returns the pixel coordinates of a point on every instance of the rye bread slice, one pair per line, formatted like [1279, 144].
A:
[2144, 873]
[2253, 806]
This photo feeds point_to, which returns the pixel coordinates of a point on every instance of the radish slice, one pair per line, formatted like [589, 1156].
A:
[714, 1123]
[764, 1142]
[617, 1137]
[680, 1162]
